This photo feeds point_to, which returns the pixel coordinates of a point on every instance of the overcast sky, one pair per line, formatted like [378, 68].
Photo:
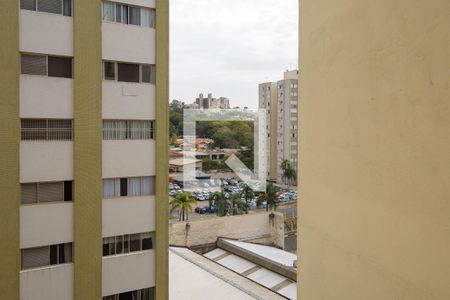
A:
[227, 47]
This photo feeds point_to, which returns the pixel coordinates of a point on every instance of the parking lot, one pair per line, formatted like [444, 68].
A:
[202, 191]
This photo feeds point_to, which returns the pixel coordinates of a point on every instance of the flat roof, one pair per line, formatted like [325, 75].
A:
[193, 276]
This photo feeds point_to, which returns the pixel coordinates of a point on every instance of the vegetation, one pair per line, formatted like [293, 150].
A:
[227, 134]
[289, 173]
[248, 195]
[209, 164]
[176, 118]
[184, 203]
[221, 203]
[268, 198]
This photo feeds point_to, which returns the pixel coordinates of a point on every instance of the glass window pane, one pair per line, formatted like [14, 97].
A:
[28, 4]
[33, 64]
[35, 257]
[135, 242]
[108, 11]
[53, 254]
[148, 185]
[147, 241]
[67, 8]
[50, 6]
[135, 15]
[105, 246]
[51, 192]
[112, 245]
[108, 188]
[118, 13]
[134, 188]
[125, 14]
[109, 68]
[28, 193]
[126, 243]
[128, 72]
[60, 66]
[119, 244]
[145, 17]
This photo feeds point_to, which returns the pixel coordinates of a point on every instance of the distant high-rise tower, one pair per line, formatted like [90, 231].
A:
[83, 149]
[280, 99]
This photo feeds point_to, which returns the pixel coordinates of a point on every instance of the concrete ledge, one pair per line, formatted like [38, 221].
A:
[276, 267]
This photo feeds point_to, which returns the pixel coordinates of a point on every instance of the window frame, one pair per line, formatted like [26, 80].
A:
[36, 8]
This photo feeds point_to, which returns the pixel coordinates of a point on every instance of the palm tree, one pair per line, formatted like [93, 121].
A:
[236, 203]
[285, 167]
[269, 197]
[248, 194]
[183, 202]
[221, 203]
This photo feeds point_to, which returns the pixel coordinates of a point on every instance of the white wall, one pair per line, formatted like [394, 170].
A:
[127, 215]
[46, 33]
[128, 43]
[49, 283]
[46, 224]
[127, 272]
[127, 100]
[128, 158]
[46, 161]
[146, 3]
[46, 97]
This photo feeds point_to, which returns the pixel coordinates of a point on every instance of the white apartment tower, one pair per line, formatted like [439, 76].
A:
[280, 99]
[83, 112]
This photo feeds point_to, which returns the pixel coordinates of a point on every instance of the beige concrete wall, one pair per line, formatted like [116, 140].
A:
[374, 158]
[234, 227]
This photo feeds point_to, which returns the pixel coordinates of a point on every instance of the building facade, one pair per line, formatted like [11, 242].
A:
[282, 122]
[83, 114]
[210, 103]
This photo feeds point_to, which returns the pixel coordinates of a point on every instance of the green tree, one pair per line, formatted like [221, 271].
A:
[248, 195]
[221, 203]
[184, 202]
[269, 197]
[236, 203]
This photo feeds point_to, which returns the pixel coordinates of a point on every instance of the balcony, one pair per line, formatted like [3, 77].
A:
[128, 214]
[127, 272]
[47, 283]
[46, 33]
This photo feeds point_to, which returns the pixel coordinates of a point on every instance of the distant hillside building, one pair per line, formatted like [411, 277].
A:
[210, 103]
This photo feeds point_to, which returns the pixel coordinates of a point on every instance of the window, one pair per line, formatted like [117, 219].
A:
[33, 64]
[128, 243]
[46, 256]
[109, 11]
[148, 73]
[134, 15]
[46, 129]
[128, 130]
[148, 17]
[50, 6]
[60, 67]
[109, 70]
[127, 72]
[144, 294]
[45, 192]
[54, 66]
[133, 186]
[128, 14]
[60, 7]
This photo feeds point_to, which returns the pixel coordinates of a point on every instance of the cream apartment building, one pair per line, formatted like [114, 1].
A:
[280, 99]
[83, 113]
